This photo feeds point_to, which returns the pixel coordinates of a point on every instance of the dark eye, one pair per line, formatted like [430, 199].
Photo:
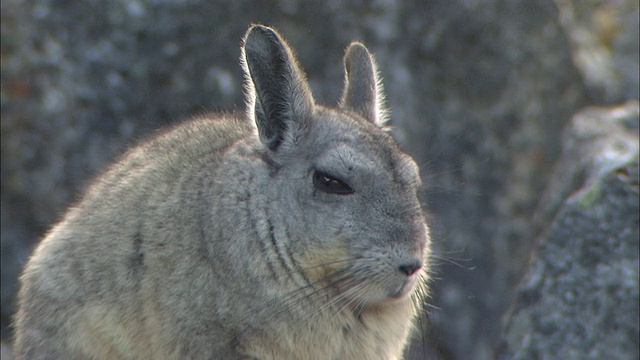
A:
[330, 185]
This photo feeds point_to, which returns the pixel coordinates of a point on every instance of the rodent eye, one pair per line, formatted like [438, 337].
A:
[330, 185]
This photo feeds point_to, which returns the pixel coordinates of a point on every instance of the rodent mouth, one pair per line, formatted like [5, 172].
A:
[405, 289]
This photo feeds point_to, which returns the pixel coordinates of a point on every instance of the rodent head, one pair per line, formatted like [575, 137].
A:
[341, 190]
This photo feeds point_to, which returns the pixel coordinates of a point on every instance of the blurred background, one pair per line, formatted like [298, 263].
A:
[523, 115]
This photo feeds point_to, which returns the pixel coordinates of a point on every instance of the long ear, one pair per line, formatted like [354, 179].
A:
[362, 89]
[278, 97]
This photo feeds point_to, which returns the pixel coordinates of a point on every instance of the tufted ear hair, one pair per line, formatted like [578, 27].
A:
[363, 92]
[278, 96]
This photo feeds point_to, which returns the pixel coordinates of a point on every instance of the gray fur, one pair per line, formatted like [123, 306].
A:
[299, 238]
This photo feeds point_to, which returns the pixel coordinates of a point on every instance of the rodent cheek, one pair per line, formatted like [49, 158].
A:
[321, 262]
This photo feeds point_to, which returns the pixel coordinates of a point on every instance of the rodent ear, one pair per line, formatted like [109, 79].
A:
[362, 89]
[278, 96]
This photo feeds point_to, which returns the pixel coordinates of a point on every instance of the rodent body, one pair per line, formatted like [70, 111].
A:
[290, 232]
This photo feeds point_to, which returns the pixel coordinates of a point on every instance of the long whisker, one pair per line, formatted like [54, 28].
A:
[339, 261]
[302, 291]
[412, 209]
[282, 305]
[346, 281]
[297, 298]
[353, 299]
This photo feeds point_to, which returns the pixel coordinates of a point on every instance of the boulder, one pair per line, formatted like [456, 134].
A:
[579, 297]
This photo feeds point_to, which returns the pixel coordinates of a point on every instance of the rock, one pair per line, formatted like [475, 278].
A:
[596, 141]
[604, 39]
[579, 298]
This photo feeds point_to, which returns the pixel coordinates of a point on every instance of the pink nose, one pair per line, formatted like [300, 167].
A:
[410, 268]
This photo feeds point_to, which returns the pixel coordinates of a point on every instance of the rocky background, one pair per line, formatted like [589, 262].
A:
[522, 113]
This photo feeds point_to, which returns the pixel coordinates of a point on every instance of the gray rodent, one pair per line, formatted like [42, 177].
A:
[291, 231]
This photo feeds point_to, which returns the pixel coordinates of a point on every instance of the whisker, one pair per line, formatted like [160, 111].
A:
[452, 261]
[339, 261]
[285, 303]
[411, 210]
[352, 294]
[355, 284]
[293, 302]
[345, 281]
[293, 298]
[300, 291]
[348, 281]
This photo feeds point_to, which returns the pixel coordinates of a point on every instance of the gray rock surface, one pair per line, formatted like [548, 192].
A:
[480, 92]
[604, 38]
[579, 298]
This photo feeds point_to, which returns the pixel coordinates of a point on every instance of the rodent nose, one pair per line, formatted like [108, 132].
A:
[410, 268]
